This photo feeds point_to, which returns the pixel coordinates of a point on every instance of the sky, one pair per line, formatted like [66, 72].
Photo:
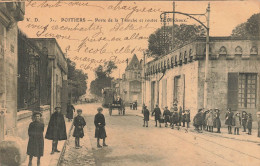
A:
[93, 32]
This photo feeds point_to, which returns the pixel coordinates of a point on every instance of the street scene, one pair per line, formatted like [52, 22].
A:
[131, 144]
[129, 83]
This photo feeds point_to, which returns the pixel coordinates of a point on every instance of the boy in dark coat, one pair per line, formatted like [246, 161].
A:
[56, 129]
[36, 143]
[183, 118]
[229, 120]
[70, 110]
[198, 120]
[166, 115]
[146, 116]
[79, 123]
[180, 115]
[249, 123]
[100, 132]
[217, 121]
[244, 120]
[157, 114]
[187, 118]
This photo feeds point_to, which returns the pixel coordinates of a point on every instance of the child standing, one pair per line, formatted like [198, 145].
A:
[237, 123]
[187, 118]
[36, 142]
[166, 115]
[244, 120]
[249, 123]
[100, 132]
[157, 112]
[229, 120]
[79, 123]
[146, 116]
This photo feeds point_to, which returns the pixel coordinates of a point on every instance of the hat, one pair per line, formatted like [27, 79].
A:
[100, 109]
[79, 110]
[166, 106]
[37, 113]
[57, 108]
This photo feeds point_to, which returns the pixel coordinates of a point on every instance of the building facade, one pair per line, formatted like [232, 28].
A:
[56, 82]
[130, 86]
[233, 76]
[10, 14]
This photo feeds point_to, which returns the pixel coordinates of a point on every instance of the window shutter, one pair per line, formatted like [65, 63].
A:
[232, 91]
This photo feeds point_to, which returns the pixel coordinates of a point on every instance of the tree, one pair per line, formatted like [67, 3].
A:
[161, 42]
[77, 80]
[248, 29]
[103, 78]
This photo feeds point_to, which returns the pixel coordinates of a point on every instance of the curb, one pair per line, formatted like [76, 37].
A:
[64, 146]
[207, 133]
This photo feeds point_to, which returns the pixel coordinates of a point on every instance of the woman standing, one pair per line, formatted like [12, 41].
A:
[36, 142]
[100, 123]
[237, 123]
[217, 120]
[244, 120]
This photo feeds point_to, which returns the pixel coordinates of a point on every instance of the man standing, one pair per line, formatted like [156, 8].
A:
[56, 129]
[70, 111]
[166, 115]
[157, 113]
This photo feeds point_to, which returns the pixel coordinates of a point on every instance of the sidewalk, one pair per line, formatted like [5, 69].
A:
[48, 159]
[242, 137]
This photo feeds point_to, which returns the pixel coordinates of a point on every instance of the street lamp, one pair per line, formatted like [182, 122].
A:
[205, 101]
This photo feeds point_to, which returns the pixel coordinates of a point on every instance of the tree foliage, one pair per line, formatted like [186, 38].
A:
[161, 41]
[103, 78]
[77, 80]
[248, 29]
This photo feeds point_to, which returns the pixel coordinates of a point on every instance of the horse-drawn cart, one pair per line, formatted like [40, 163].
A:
[111, 103]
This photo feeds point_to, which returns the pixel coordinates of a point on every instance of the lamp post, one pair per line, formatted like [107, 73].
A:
[205, 100]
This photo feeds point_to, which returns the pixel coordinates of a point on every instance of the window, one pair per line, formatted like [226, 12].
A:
[247, 90]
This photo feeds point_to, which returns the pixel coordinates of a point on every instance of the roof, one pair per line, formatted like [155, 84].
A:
[134, 64]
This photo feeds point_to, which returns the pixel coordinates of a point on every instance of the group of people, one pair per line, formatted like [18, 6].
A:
[174, 116]
[56, 131]
[209, 119]
[239, 121]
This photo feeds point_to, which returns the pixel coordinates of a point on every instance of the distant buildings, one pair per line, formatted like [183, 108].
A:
[233, 76]
[130, 86]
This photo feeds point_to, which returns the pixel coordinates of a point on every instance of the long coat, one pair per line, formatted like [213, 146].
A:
[36, 142]
[166, 114]
[56, 129]
[157, 113]
[180, 114]
[229, 118]
[175, 117]
[244, 119]
[249, 122]
[217, 120]
[258, 129]
[70, 110]
[187, 117]
[198, 119]
[100, 123]
[79, 123]
[146, 115]
[210, 119]
[237, 121]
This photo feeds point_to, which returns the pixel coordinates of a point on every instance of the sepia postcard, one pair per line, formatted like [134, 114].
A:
[129, 83]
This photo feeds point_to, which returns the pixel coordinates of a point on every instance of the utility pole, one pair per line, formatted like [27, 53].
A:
[207, 62]
[207, 14]
[144, 77]
[173, 17]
